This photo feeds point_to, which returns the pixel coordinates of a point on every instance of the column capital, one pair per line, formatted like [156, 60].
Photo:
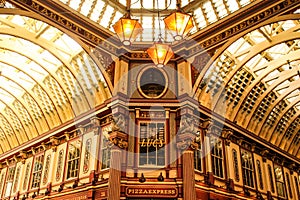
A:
[118, 139]
[186, 141]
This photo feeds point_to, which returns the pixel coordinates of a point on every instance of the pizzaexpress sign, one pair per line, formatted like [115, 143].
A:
[151, 191]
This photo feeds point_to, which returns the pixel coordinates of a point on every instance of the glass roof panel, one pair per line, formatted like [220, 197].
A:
[204, 14]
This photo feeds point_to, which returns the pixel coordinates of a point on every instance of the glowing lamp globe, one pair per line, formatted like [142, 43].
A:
[127, 29]
[160, 53]
[179, 24]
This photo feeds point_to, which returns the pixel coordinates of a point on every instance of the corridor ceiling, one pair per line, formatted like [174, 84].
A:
[255, 75]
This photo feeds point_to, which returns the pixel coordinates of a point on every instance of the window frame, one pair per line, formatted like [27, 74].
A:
[105, 152]
[36, 172]
[248, 170]
[217, 158]
[73, 163]
[160, 145]
[9, 179]
[197, 152]
[280, 182]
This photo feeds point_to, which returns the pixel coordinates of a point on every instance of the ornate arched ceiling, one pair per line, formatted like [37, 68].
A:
[256, 78]
[46, 79]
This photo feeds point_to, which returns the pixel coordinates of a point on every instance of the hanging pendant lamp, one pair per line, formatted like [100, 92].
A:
[127, 29]
[179, 23]
[160, 53]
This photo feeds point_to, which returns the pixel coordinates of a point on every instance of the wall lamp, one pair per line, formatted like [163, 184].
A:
[160, 177]
[142, 179]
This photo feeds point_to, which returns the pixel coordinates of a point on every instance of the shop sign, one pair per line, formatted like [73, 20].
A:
[151, 191]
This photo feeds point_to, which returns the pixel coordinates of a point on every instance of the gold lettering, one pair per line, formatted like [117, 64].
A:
[143, 143]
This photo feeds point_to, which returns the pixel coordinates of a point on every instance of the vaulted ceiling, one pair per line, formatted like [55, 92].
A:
[252, 79]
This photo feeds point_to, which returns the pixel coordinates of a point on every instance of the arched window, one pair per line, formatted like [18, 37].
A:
[235, 165]
[279, 180]
[259, 171]
[247, 168]
[217, 156]
[271, 178]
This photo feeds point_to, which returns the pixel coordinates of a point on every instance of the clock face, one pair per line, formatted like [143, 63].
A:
[152, 82]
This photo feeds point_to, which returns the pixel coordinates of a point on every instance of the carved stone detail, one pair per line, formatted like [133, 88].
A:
[186, 141]
[118, 139]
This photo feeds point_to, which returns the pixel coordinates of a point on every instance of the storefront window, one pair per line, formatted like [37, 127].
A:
[152, 144]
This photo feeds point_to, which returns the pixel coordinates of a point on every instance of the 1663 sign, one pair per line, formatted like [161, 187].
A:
[152, 142]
